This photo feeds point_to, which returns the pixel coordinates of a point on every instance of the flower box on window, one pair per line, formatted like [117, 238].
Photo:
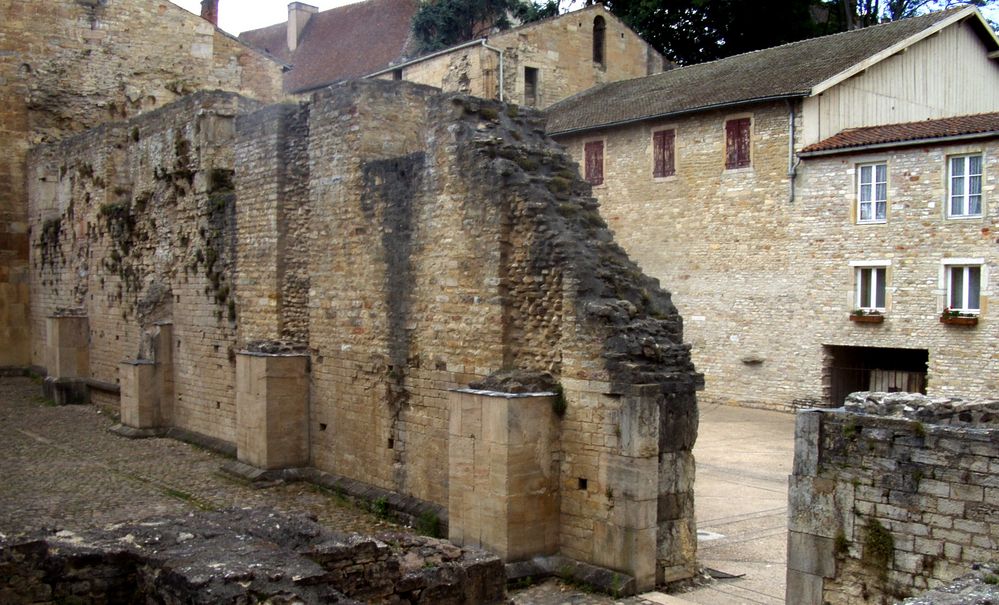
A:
[956, 318]
[867, 317]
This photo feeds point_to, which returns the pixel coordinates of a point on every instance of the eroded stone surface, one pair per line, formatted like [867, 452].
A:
[245, 555]
[938, 410]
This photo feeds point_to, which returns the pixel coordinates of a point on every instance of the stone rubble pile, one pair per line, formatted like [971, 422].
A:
[915, 406]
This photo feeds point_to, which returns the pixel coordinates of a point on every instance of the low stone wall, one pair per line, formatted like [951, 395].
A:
[243, 556]
[882, 506]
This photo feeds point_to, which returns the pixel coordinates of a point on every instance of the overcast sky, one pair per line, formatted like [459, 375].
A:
[237, 16]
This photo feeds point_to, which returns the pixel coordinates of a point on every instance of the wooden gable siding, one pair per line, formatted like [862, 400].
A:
[945, 75]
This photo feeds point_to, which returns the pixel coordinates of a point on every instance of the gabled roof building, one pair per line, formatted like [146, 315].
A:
[711, 177]
[536, 64]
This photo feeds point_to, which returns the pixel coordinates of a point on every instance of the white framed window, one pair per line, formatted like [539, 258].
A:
[965, 186]
[872, 193]
[870, 284]
[964, 287]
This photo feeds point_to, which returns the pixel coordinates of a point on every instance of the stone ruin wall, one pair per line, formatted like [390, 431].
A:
[69, 65]
[886, 502]
[133, 224]
[411, 243]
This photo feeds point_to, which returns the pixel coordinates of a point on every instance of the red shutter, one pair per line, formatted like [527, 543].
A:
[663, 144]
[737, 143]
[594, 152]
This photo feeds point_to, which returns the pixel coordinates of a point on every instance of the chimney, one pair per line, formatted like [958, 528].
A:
[210, 11]
[298, 15]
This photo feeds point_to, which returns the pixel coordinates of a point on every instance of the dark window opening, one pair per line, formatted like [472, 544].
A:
[594, 162]
[530, 86]
[737, 143]
[582, 483]
[391, 443]
[663, 152]
[396, 74]
[851, 369]
[599, 36]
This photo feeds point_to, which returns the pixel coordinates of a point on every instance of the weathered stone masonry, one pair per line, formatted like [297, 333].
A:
[383, 245]
[883, 504]
[69, 65]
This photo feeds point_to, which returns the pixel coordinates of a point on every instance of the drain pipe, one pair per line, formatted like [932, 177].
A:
[500, 52]
[792, 161]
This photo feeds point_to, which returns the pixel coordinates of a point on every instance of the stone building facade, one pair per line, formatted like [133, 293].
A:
[707, 188]
[542, 63]
[313, 282]
[69, 65]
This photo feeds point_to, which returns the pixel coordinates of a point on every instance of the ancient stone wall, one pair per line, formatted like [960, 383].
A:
[560, 49]
[885, 504]
[69, 65]
[133, 224]
[409, 243]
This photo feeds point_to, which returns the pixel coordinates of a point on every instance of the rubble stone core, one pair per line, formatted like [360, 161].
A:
[383, 244]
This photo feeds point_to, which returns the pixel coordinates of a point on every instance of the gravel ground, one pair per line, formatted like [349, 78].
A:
[62, 469]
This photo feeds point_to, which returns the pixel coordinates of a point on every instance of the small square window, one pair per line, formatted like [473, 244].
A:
[872, 193]
[871, 288]
[964, 288]
[737, 143]
[663, 153]
[965, 186]
[594, 162]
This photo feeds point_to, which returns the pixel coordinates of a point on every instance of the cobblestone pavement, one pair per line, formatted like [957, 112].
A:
[61, 468]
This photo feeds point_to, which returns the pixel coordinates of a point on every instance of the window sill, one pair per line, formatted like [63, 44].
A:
[960, 320]
[664, 179]
[868, 318]
[878, 222]
[740, 170]
[964, 217]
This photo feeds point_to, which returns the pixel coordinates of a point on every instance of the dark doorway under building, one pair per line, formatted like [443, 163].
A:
[850, 369]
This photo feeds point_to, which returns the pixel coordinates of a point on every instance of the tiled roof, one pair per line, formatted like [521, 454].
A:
[345, 42]
[790, 70]
[982, 123]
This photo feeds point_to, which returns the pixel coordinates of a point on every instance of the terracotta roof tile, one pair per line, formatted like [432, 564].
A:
[345, 42]
[982, 123]
[790, 70]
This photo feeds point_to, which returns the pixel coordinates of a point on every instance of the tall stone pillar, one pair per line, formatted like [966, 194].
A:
[67, 347]
[272, 409]
[503, 473]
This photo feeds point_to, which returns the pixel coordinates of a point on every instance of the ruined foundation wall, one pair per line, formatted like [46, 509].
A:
[410, 243]
[891, 506]
[134, 223]
[66, 66]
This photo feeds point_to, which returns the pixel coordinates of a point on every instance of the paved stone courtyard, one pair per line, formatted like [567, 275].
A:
[63, 469]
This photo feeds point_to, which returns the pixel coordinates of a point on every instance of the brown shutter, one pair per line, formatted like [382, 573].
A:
[663, 144]
[594, 152]
[737, 142]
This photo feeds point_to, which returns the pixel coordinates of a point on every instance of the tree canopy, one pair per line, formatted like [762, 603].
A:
[685, 31]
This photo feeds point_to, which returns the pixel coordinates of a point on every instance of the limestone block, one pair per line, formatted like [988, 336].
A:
[639, 426]
[806, 443]
[811, 554]
[820, 506]
[140, 394]
[803, 588]
[502, 480]
[272, 409]
[68, 346]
